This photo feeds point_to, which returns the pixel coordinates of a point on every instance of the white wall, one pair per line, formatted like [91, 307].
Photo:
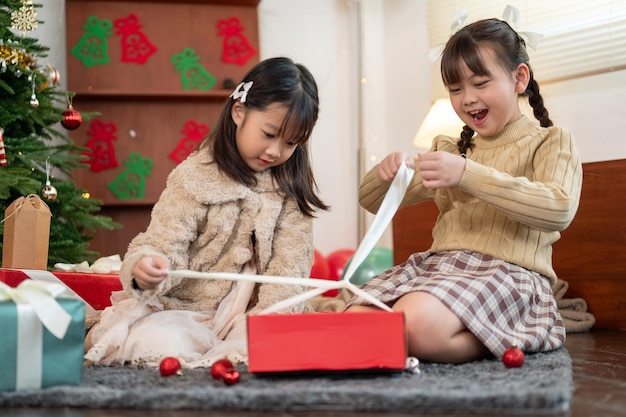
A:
[396, 92]
[322, 35]
[52, 34]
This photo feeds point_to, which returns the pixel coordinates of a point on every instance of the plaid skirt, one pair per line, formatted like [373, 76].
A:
[502, 304]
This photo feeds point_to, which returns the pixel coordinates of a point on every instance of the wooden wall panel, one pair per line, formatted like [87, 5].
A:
[147, 102]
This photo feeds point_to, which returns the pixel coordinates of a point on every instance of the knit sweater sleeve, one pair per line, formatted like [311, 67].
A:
[548, 197]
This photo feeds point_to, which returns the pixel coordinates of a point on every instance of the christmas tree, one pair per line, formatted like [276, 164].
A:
[36, 154]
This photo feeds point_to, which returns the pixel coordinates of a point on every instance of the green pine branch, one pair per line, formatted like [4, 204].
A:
[38, 148]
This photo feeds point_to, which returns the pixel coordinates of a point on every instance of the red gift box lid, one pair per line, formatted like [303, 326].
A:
[359, 341]
[95, 289]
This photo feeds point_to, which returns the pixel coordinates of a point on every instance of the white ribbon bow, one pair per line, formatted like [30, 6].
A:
[40, 295]
[388, 208]
[241, 91]
[457, 23]
[511, 15]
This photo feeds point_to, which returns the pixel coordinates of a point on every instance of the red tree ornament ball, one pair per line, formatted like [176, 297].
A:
[71, 119]
[231, 377]
[513, 357]
[219, 368]
[170, 366]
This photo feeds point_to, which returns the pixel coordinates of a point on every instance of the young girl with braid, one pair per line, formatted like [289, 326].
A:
[505, 190]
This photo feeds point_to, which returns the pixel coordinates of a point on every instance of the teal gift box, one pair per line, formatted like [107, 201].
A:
[42, 342]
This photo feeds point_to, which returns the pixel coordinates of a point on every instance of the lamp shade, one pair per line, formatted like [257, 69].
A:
[440, 120]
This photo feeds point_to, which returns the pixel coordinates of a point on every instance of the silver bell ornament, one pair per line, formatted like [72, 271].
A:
[49, 191]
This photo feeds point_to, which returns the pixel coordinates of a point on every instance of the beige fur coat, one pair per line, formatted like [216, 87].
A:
[204, 221]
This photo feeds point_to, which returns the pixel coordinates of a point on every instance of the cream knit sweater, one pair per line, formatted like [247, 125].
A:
[519, 190]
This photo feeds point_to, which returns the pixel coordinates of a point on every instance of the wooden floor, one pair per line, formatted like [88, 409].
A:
[599, 368]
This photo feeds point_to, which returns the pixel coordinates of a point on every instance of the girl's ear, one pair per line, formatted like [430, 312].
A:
[238, 113]
[522, 78]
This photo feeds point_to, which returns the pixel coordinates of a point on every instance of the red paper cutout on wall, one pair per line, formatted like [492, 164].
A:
[135, 45]
[236, 48]
[102, 155]
[194, 133]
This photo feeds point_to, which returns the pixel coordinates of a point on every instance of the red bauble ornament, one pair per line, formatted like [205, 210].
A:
[513, 357]
[219, 368]
[71, 119]
[170, 366]
[231, 377]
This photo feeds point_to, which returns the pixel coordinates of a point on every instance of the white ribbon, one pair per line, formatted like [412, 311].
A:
[46, 276]
[36, 305]
[29, 360]
[40, 295]
[388, 208]
[385, 214]
[241, 91]
[104, 265]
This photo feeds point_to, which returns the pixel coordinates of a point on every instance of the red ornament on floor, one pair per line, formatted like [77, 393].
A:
[513, 357]
[219, 368]
[170, 366]
[231, 377]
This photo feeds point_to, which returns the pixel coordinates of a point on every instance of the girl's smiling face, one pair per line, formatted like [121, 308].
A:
[487, 103]
[257, 137]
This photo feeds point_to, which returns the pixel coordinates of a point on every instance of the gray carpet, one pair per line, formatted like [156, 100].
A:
[542, 385]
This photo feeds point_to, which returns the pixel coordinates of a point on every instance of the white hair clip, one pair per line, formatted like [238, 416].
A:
[512, 17]
[241, 92]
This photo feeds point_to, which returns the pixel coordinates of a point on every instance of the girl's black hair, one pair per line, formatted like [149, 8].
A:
[509, 48]
[275, 80]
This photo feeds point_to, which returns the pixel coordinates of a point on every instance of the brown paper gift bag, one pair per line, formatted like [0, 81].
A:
[26, 234]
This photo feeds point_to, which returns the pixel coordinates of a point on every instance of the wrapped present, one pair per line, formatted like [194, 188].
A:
[26, 233]
[43, 334]
[363, 341]
[94, 289]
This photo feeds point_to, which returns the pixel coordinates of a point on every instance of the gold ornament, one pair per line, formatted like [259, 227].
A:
[12, 56]
[24, 19]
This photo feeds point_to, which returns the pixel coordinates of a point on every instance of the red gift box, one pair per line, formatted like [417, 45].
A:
[95, 289]
[360, 341]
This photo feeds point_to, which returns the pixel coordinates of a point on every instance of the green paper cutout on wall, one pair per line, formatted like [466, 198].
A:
[131, 183]
[92, 48]
[192, 74]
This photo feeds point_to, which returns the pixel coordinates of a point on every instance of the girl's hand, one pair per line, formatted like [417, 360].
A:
[388, 167]
[150, 271]
[440, 169]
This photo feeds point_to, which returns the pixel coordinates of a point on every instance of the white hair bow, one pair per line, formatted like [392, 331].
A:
[241, 91]
[457, 23]
[511, 15]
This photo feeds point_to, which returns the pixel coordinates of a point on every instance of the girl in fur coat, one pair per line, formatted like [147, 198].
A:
[243, 202]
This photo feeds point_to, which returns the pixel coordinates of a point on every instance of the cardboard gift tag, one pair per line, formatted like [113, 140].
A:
[26, 234]
[363, 341]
